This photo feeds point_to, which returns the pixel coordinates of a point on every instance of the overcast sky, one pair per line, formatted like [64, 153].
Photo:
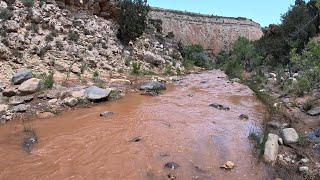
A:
[264, 12]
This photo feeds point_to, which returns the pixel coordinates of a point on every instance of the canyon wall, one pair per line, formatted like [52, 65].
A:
[214, 33]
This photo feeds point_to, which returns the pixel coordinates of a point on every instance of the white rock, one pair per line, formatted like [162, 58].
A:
[3, 107]
[271, 148]
[70, 102]
[304, 169]
[280, 140]
[272, 75]
[305, 160]
[30, 86]
[290, 136]
[52, 102]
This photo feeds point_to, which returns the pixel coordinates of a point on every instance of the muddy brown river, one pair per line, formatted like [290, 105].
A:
[177, 126]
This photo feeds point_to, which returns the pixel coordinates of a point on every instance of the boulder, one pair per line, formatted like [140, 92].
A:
[30, 86]
[12, 26]
[314, 111]
[271, 148]
[3, 108]
[9, 92]
[20, 108]
[290, 136]
[16, 100]
[153, 58]
[21, 76]
[153, 85]
[71, 102]
[95, 93]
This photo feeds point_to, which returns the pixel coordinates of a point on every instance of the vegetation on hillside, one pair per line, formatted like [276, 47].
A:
[132, 19]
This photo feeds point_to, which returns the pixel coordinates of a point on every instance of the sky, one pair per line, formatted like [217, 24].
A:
[264, 12]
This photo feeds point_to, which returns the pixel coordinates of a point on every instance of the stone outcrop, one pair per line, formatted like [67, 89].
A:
[214, 33]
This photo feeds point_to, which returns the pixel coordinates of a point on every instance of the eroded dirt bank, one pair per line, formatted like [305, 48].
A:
[177, 126]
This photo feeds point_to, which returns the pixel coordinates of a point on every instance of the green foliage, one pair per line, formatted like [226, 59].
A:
[44, 50]
[73, 36]
[28, 3]
[168, 70]
[132, 19]
[95, 74]
[195, 55]
[17, 53]
[136, 68]
[5, 14]
[49, 37]
[114, 95]
[49, 80]
[309, 63]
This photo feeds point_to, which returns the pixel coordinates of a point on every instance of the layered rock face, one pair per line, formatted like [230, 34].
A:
[214, 33]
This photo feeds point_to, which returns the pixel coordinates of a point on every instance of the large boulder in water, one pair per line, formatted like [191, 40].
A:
[21, 76]
[153, 85]
[95, 93]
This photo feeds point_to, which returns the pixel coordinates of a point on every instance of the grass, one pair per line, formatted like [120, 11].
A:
[49, 80]
[168, 70]
[303, 141]
[73, 36]
[136, 68]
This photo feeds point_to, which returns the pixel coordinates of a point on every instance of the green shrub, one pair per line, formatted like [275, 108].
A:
[49, 80]
[49, 37]
[44, 50]
[17, 53]
[28, 3]
[136, 68]
[5, 14]
[73, 36]
[195, 55]
[95, 74]
[168, 70]
[132, 19]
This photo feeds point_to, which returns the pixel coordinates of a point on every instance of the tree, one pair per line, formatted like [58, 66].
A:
[132, 19]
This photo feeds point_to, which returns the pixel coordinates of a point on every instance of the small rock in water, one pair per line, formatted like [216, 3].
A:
[171, 165]
[150, 93]
[171, 176]
[106, 114]
[229, 165]
[153, 85]
[219, 106]
[136, 139]
[244, 117]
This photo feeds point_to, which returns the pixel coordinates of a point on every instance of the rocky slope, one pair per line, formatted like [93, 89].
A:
[44, 37]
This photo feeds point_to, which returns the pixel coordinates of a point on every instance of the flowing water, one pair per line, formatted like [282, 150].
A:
[177, 126]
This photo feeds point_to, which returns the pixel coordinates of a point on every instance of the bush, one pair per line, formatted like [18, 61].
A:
[44, 50]
[132, 19]
[136, 68]
[49, 80]
[49, 37]
[168, 70]
[28, 3]
[5, 14]
[73, 36]
[195, 55]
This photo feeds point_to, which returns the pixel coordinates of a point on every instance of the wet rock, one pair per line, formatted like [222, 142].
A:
[106, 114]
[30, 86]
[152, 86]
[314, 111]
[303, 169]
[136, 139]
[3, 108]
[290, 136]
[71, 102]
[30, 139]
[171, 165]
[171, 176]
[150, 93]
[95, 93]
[229, 165]
[271, 148]
[20, 108]
[219, 106]
[45, 115]
[244, 117]
[21, 76]
[9, 92]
